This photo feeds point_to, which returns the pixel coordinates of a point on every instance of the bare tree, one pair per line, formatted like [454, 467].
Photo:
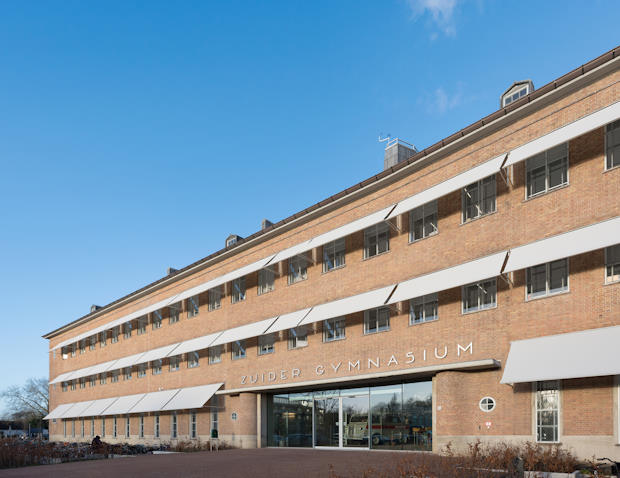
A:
[28, 402]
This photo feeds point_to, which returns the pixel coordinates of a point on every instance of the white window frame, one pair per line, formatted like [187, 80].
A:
[615, 278]
[215, 298]
[423, 212]
[92, 426]
[547, 293]
[127, 427]
[557, 389]
[607, 162]
[481, 306]
[142, 370]
[484, 402]
[127, 330]
[193, 306]
[297, 337]
[156, 319]
[114, 427]
[116, 331]
[566, 160]
[297, 269]
[193, 359]
[215, 354]
[376, 238]
[82, 346]
[174, 363]
[193, 425]
[83, 430]
[156, 429]
[238, 350]
[334, 255]
[92, 380]
[375, 317]
[142, 323]
[174, 313]
[156, 366]
[103, 338]
[519, 93]
[334, 329]
[238, 291]
[103, 378]
[102, 426]
[114, 376]
[266, 344]
[92, 342]
[127, 373]
[423, 302]
[479, 203]
[266, 281]
[174, 425]
[141, 426]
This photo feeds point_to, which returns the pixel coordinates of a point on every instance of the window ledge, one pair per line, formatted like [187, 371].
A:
[463, 312]
[547, 296]
[614, 282]
[545, 192]
[259, 294]
[334, 269]
[377, 332]
[297, 282]
[377, 255]
[613, 168]
[333, 340]
[415, 241]
[469, 221]
[411, 324]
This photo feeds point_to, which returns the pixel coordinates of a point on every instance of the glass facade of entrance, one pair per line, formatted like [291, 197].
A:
[395, 416]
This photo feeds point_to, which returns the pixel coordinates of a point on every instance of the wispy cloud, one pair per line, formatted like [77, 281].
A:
[441, 13]
[442, 101]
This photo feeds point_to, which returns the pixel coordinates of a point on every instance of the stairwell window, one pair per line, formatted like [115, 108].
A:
[612, 264]
[376, 320]
[238, 290]
[547, 279]
[547, 170]
[215, 298]
[376, 240]
[266, 281]
[423, 221]
[297, 269]
[479, 296]
[548, 411]
[334, 255]
[193, 304]
[612, 145]
[479, 199]
[423, 309]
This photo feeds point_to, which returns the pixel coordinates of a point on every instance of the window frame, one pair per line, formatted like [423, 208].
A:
[557, 389]
[266, 344]
[156, 319]
[127, 330]
[215, 298]
[266, 281]
[193, 359]
[479, 203]
[238, 350]
[156, 366]
[174, 363]
[141, 426]
[548, 189]
[377, 328]
[174, 425]
[215, 358]
[528, 271]
[238, 290]
[142, 323]
[193, 425]
[479, 286]
[142, 367]
[296, 337]
[434, 211]
[116, 331]
[423, 301]
[297, 268]
[192, 304]
[337, 329]
[92, 342]
[607, 167]
[334, 252]
[174, 313]
[614, 265]
[375, 232]
[156, 424]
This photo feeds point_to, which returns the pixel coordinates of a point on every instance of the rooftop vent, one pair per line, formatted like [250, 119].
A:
[232, 240]
[265, 223]
[517, 90]
[94, 307]
[171, 270]
[396, 151]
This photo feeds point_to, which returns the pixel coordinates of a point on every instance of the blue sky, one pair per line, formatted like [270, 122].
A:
[137, 135]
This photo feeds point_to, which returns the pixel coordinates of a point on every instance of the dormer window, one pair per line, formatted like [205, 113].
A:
[517, 91]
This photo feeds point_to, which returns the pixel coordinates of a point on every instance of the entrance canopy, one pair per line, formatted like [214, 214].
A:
[588, 353]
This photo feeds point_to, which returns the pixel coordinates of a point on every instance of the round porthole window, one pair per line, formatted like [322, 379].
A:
[487, 404]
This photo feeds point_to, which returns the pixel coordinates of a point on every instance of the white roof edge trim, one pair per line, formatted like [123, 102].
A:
[565, 133]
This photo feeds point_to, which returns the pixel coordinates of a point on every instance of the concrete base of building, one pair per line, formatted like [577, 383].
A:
[234, 441]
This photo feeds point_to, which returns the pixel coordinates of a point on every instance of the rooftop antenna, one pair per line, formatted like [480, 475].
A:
[384, 139]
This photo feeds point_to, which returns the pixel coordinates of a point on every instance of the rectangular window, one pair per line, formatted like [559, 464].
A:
[238, 349]
[215, 354]
[174, 428]
[73, 349]
[423, 309]
[478, 199]
[127, 373]
[115, 333]
[103, 338]
[266, 281]
[141, 431]
[103, 426]
[82, 382]
[480, 296]
[612, 264]
[547, 411]
[193, 359]
[376, 320]
[127, 329]
[114, 427]
[65, 387]
[173, 313]
[547, 279]
[174, 363]
[142, 323]
[156, 319]
[92, 427]
[82, 429]
[102, 378]
[238, 290]
[141, 370]
[423, 221]
[547, 170]
[73, 384]
[333, 329]
[73, 427]
[156, 425]
[297, 337]
[214, 416]
[612, 144]
[93, 342]
[127, 430]
[297, 269]
[376, 239]
[93, 380]
[193, 306]
[64, 426]
[215, 298]
[82, 346]
[193, 431]
[156, 366]
[265, 344]
[114, 376]
[333, 255]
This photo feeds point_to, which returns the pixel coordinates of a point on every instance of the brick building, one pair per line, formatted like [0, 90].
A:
[468, 290]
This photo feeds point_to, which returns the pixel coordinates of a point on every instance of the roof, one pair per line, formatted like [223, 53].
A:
[522, 82]
[500, 113]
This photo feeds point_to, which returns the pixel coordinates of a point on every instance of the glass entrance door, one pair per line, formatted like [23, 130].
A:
[326, 419]
[355, 421]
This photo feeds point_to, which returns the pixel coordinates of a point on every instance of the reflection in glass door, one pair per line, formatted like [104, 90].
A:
[355, 420]
[326, 412]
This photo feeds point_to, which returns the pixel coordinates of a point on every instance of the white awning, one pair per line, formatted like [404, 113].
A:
[124, 404]
[98, 407]
[244, 332]
[128, 361]
[154, 401]
[192, 397]
[58, 411]
[473, 271]
[349, 305]
[291, 251]
[350, 228]
[61, 378]
[588, 353]
[77, 410]
[159, 353]
[288, 321]
[199, 343]
[585, 239]
[573, 130]
[453, 184]
[103, 367]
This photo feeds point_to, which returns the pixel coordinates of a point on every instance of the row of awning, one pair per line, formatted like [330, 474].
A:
[166, 400]
[589, 238]
[572, 130]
